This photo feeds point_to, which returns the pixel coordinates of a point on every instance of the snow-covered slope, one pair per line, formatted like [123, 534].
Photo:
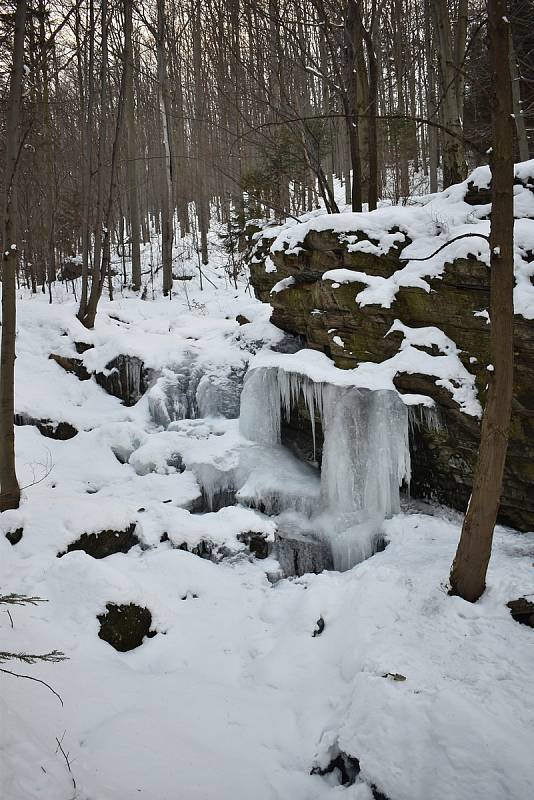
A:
[234, 697]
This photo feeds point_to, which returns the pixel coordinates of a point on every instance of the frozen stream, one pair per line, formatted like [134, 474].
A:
[327, 517]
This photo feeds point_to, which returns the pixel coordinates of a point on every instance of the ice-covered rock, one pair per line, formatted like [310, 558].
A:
[191, 390]
[365, 458]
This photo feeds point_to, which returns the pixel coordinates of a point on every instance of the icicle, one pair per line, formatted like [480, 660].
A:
[421, 416]
[366, 457]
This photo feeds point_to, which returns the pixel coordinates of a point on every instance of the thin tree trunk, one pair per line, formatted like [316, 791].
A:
[9, 486]
[522, 139]
[454, 164]
[88, 318]
[468, 574]
[131, 158]
[351, 43]
[87, 155]
[167, 205]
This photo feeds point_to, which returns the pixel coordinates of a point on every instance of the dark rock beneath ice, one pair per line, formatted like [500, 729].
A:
[256, 543]
[348, 769]
[126, 377]
[299, 554]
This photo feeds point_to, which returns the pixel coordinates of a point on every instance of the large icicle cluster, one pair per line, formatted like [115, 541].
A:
[366, 455]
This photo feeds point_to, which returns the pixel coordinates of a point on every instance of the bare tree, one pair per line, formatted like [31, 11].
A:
[9, 486]
[468, 574]
[131, 158]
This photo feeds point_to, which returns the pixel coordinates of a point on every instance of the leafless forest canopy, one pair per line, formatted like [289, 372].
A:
[145, 118]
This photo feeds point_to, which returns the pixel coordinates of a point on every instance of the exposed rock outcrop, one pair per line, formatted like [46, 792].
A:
[329, 317]
[126, 377]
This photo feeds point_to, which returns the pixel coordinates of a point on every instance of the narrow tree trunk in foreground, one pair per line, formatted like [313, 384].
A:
[468, 574]
[9, 486]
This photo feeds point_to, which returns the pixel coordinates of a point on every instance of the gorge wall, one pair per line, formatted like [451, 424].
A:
[288, 266]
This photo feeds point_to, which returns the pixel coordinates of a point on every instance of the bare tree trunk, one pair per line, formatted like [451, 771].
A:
[167, 205]
[433, 147]
[87, 155]
[131, 160]
[468, 574]
[522, 139]
[372, 194]
[9, 486]
[89, 315]
[454, 164]
[351, 43]
[103, 263]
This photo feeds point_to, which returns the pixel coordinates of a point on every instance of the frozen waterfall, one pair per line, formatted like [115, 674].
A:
[365, 459]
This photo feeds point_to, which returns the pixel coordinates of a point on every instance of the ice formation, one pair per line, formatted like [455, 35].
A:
[190, 390]
[365, 457]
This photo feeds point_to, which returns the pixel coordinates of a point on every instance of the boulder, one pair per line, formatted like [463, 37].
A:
[125, 627]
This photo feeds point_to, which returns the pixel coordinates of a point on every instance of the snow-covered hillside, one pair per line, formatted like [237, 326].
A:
[253, 681]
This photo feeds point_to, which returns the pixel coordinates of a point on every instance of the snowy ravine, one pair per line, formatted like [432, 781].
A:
[242, 692]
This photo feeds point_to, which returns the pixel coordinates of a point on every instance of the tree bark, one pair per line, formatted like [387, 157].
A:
[9, 486]
[131, 146]
[522, 139]
[468, 574]
[167, 206]
[454, 164]
[352, 40]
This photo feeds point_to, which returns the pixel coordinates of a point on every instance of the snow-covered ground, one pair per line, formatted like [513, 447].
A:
[234, 697]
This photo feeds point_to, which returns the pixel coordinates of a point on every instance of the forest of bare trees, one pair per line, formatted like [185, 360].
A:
[142, 118]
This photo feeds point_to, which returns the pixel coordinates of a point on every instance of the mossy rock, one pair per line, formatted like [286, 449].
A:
[104, 543]
[14, 536]
[61, 431]
[125, 627]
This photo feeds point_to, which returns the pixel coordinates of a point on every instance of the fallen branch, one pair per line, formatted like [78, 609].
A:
[443, 246]
[30, 678]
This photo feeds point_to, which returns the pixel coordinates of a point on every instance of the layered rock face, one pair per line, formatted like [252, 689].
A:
[336, 314]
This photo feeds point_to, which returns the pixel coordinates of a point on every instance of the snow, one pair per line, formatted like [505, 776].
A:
[285, 283]
[234, 697]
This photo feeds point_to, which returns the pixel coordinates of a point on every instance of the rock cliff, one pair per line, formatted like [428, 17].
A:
[345, 283]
